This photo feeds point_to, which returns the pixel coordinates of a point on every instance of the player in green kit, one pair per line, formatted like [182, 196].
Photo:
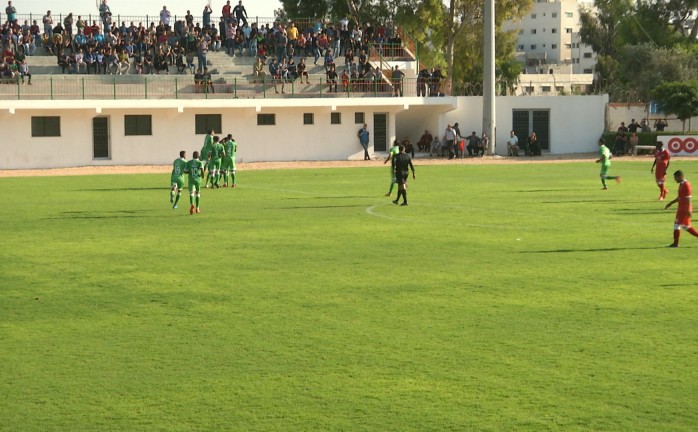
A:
[605, 161]
[205, 150]
[215, 161]
[231, 148]
[177, 178]
[394, 151]
[195, 169]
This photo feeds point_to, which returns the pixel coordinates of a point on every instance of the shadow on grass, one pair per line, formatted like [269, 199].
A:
[615, 249]
[548, 190]
[116, 214]
[585, 201]
[160, 188]
[322, 207]
[641, 212]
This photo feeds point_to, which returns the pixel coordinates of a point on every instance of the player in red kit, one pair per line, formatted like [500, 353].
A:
[661, 162]
[683, 213]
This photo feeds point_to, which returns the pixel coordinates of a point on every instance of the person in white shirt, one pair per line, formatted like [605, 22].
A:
[513, 145]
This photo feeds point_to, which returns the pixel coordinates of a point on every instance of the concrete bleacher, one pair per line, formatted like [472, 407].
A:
[230, 74]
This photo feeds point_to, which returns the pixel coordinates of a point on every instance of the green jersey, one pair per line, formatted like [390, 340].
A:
[605, 155]
[217, 151]
[231, 147]
[208, 143]
[194, 168]
[178, 168]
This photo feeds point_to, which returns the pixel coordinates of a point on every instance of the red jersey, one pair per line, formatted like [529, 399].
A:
[685, 205]
[661, 159]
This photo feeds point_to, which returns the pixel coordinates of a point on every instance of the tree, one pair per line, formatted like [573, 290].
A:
[679, 98]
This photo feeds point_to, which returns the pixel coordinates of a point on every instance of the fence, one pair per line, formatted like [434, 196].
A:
[138, 87]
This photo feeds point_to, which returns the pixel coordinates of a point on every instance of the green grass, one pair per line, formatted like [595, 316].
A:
[516, 297]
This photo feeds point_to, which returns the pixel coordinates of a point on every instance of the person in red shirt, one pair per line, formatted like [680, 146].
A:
[685, 210]
[661, 162]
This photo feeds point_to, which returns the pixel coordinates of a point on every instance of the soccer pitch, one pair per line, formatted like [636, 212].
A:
[504, 297]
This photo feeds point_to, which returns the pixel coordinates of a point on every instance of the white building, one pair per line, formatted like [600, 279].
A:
[549, 35]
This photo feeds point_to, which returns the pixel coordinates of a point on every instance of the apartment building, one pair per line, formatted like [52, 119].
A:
[549, 35]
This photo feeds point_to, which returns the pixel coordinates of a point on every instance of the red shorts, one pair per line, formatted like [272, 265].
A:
[682, 218]
[660, 175]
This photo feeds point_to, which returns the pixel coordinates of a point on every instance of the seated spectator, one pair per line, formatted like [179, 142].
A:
[473, 144]
[148, 63]
[513, 145]
[100, 62]
[425, 141]
[24, 71]
[63, 61]
[302, 70]
[124, 62]
[199, 81]
[483, 145]
[275, 73]
[436, 147]
[409, 148]
[111, 61]
[161, 62]
[258, 70]
[292, 70]
[79, 61]
[90, 60]
[180, 61]
[208, 81]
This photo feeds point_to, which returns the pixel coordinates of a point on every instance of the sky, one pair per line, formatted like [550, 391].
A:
[259, 8]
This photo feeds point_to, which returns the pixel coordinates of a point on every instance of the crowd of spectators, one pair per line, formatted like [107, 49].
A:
[181, 46]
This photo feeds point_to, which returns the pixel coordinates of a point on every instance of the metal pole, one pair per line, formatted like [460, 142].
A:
[176, 88]
[145, 84]
[83, 87]
[488, 101]
[235, 88]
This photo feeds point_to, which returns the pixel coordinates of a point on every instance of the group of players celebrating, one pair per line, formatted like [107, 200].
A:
[218, 163]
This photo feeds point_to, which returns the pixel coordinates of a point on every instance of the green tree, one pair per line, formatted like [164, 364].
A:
[679, 98]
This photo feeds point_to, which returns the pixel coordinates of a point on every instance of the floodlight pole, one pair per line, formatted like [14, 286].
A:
[488, 100]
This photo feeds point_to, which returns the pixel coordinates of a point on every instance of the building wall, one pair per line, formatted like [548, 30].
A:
[576, 123]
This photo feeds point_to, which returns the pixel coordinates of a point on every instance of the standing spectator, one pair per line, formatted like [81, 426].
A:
[189, 18]
[685, 210]
[165, 16]
[633, 141]
[68, 26]
[450, 140]
[227, 12]
[660, 124]
[201, 52]
[397, 77]
[35, 31]
[621, 140]
[661, 162]
[605, 161]
[240, 13]
[207, 16]
[332, 79]
[402, 165]
[104, 9]
[645, 126]
[423, 79]
[48, 24]
[11, 13]
[363, 135]
[513, 145]
[633, 126]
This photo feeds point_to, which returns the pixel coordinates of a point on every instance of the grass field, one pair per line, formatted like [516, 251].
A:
[504, 297]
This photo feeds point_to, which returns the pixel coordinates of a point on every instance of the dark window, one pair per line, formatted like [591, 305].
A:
[308, 118]
[46, 126]
[359, 118]
[266, 119]
[138, 125]
[207, 122]
[336, 118]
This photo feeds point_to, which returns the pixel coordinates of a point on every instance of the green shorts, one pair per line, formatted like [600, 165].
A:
[177, 181]
[195, 185]
[604, 169]
[214, 165]
[228, 164]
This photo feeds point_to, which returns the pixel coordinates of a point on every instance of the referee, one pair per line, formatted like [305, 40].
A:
[402, 165]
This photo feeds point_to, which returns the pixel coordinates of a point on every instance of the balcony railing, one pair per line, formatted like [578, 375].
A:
[139, 87]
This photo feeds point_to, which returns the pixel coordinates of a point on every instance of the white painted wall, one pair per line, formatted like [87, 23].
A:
[576, 124]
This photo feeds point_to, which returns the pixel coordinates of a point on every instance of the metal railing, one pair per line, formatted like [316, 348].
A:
[139, 87]
[117, 19]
